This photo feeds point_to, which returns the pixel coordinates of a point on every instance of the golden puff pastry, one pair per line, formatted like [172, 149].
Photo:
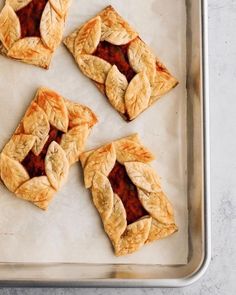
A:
[35, 162]
[127, 194]
[111, 53]
[31, 30]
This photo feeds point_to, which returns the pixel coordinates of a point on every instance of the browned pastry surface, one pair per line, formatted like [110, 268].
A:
[31, 30]
[34, 164]
[127, 194]
[112, 54]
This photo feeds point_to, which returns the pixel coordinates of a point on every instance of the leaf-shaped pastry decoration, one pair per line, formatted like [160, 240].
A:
[116, 224]
[19, 129]
[51, 27]
[143, 176]
[32, 51]
[73, 142]
[54, 107]
[137, 95]
[102, 195]
[114, 29]
[13, 174]
[44, 204]
[134, 237]
[18, 4]
[60, 6]
[133, 137]
[84, 157]
[69, 41]
[129, 151]
[39, 144]
[19, 146]
[88, 37]
[157, 205]
[56, 165]
[10, 30]
[80, 114]
[102, 160]
[117, 34]
[142, 59]
[94, 67]
[116, 85]
[162, 84]
[36, 189]
[159, 231]
[35, 122]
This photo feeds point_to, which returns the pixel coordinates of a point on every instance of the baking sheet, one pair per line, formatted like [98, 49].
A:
[71, 230]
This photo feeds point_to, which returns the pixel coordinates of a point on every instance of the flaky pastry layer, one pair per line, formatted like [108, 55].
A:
[130, 75]
[31, 152]
[36, 50]
[159, 220]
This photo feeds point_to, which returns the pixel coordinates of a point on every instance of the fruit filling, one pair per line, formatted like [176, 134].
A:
[122, 186]
[30, 17]
[35, 165]
[116, 55]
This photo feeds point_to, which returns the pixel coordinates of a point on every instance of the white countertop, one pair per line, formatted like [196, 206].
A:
[220, 277]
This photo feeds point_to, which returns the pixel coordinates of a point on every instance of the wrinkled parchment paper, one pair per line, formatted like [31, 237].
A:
[71, 230]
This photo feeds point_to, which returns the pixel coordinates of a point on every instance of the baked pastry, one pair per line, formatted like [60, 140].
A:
[31, 30]
[123, 67]
[128, 195]
[35, 162]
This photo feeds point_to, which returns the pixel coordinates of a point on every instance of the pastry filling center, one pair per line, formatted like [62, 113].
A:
[35, 165]
[122, 186]
[30, 17]
[116, 55]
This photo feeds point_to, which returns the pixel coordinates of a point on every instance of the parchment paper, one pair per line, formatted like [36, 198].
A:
[71, 230]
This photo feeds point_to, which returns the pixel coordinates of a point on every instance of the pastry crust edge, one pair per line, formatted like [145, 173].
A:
[125, 238]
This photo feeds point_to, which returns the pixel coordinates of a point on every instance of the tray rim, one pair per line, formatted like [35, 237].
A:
[201, 269]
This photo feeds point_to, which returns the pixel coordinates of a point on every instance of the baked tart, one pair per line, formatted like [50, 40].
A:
[112, 54]
[34, 164]
[127, 194]
[31, 30]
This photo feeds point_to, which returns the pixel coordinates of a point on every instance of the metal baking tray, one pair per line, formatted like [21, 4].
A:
[79, 275]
